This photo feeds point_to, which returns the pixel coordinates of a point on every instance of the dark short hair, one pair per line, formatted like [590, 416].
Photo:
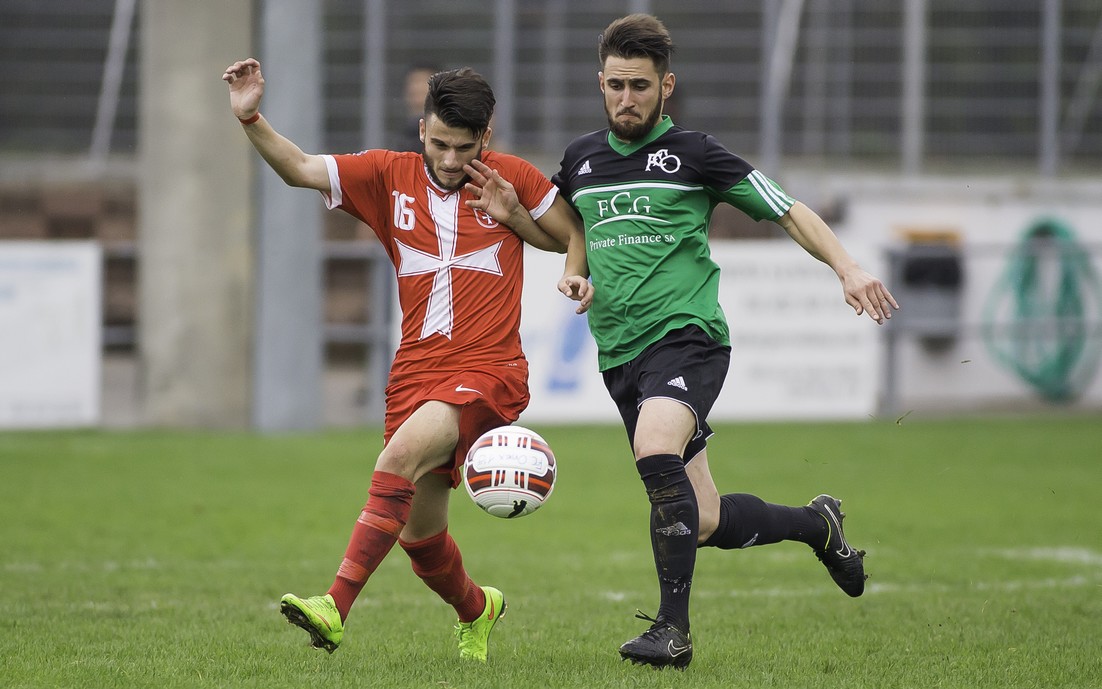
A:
[461, 98]
[637, 35]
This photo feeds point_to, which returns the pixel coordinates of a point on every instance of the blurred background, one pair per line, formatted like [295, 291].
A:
[153, 272]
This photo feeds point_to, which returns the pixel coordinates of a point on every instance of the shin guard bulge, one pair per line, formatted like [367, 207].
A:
[674, 522]
[376, 531]
[439, 563]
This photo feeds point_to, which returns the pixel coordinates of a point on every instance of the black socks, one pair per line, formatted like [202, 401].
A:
[674, 522]
[746, 520]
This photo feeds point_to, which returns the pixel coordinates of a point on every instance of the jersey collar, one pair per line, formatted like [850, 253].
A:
[626, 149]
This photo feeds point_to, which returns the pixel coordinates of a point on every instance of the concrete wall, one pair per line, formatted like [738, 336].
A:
[195, 200]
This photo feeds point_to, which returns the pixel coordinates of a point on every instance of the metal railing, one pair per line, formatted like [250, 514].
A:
[912, 83]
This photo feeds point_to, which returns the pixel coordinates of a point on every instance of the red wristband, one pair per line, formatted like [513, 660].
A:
[254, 118]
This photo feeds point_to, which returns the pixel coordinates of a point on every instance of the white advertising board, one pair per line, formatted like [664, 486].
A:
[798, 350]
[50, 334]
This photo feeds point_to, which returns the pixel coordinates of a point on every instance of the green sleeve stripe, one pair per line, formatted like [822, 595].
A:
[771, 193]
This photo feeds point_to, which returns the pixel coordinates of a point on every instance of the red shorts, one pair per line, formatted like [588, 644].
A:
[489, 397]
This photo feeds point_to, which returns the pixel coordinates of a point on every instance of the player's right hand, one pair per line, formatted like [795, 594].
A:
[246, 87]
[579, 289]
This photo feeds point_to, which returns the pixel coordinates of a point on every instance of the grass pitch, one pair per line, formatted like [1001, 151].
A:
[157, 559]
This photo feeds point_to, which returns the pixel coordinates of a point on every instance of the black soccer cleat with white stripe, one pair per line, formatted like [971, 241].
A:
[845, 564]
[661, 646]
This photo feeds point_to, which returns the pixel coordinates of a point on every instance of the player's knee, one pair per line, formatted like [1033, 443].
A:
[401, 459]
[657, 445]
[660, 441]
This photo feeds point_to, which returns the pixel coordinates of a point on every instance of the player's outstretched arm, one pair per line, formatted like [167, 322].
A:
[574, 282]
[496, 196]
[297, 169]
[864, 292]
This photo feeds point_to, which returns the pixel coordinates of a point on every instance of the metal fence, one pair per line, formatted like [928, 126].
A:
[915, 85]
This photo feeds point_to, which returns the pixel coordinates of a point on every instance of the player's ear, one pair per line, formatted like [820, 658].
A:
[421, 129]
[486, 137]
[601, 81]
[668, 82]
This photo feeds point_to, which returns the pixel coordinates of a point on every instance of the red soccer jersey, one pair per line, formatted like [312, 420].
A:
[459, 272]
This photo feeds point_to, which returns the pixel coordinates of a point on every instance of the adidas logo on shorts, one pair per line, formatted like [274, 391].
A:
[679, 382]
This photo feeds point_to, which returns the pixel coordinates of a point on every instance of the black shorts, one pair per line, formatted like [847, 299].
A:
[686, 365]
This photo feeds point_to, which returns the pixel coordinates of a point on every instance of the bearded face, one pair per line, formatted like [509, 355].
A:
[634, 94]
[447, 150]
[628, 124]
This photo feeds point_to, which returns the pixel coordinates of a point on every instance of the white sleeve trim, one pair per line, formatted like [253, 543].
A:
[334, 198]
[780, 203]
[545, 204]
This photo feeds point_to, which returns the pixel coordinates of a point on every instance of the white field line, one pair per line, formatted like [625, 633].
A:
[1084, 559]
[1088, 561]
[1063, 554]
[153, 565]
[1067, 555]
[879, 589]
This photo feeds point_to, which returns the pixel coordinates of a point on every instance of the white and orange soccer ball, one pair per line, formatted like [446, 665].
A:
[509, 471]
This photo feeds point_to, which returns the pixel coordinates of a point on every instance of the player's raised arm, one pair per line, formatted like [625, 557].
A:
[864, 292]
[297, 168]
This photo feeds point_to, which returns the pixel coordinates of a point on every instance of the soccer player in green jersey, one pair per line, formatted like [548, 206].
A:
[645, 190]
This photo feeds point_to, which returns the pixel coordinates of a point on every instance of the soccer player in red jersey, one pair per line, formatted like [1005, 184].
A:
[459, 369]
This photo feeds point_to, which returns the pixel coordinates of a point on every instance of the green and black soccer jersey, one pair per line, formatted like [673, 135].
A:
[646, 207]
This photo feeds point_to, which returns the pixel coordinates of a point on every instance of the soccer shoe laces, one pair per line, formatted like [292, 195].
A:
[655, 628]
[644, 616]
[469, 641]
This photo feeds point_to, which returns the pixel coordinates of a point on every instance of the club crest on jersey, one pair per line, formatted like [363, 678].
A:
[485, 219]
[664, 161]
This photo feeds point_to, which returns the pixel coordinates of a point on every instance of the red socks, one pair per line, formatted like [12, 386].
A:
[438, 562]
[375, 533]
[436, 559]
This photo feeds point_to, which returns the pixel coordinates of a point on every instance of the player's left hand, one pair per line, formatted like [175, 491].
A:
[867, 294]
[492, 193]
[579, 289]
[246, 87]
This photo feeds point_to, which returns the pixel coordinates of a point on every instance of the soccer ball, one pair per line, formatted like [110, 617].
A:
[509, 471]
